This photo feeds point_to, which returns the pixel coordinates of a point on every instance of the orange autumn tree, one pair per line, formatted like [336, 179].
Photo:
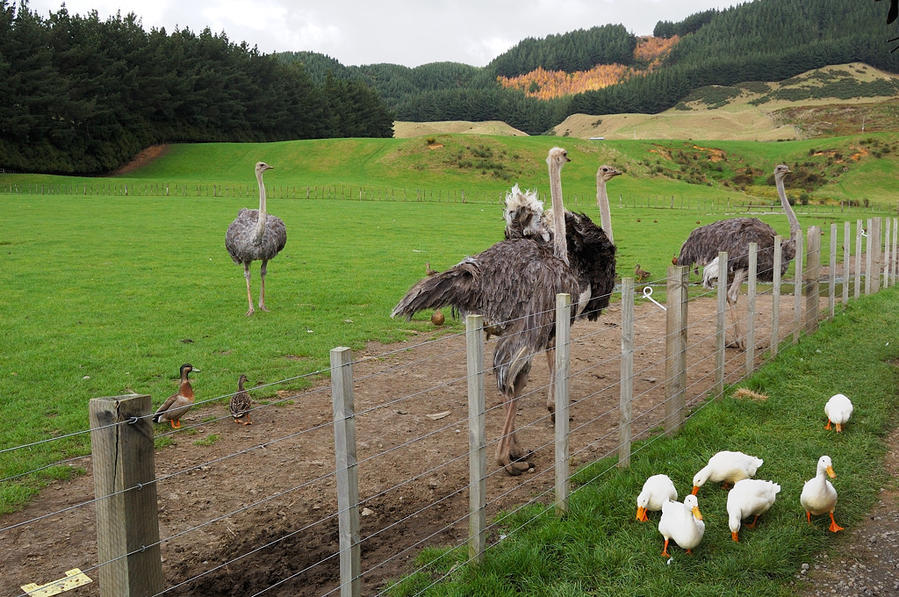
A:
[548, 84]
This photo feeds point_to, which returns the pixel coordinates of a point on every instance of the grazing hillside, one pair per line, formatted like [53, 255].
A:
[834, 100]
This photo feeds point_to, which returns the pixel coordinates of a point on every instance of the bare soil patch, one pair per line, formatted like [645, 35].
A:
[144, 157]
[267, 516]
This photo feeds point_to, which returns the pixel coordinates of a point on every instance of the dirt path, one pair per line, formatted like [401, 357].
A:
[265, 518]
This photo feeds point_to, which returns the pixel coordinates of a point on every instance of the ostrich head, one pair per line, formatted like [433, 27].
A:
[262, 167]
[557, 156]
[607, 173]
[780, 171]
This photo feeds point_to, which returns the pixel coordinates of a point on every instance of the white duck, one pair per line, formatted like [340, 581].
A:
[818, 495]
[656, 491]
[749, 497]
[728, 468]
[838, 410]
[681, 522]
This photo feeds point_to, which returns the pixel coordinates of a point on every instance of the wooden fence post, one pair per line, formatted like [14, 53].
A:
[477, 438]
[832, 278]
[720, 324]
[895, 250]
[874, 233]
[750, 306]
[887, 254]
[846, 260]
[626, 382]
[797, 290]
[858, 258]
[812, 272]
[676, 347]
[868, 255]
[124, 486]
[775, 296]
[563, 364]
[347, 471]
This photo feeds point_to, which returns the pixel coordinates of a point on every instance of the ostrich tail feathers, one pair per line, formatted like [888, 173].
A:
[447, 288]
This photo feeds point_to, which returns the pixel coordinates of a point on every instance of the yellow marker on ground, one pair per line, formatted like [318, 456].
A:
[74, 578]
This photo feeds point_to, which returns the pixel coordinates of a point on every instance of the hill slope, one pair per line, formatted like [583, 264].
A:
[842, 99]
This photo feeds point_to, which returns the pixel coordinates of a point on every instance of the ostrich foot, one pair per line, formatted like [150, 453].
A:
[263, 308]
[739, 344]
[515, 461]
[251, 311]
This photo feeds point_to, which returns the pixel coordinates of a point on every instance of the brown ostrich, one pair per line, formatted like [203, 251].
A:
[513, 284]
[734, 235]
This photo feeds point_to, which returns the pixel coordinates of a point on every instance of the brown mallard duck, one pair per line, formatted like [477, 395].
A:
[641, 274]
[241, 403]
[178, 403]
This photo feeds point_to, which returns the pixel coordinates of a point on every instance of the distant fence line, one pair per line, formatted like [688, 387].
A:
[347, 192]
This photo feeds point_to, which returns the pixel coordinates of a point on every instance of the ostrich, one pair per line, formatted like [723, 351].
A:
[734, 235]
[593, 247]
[253, 235]
[513, 284]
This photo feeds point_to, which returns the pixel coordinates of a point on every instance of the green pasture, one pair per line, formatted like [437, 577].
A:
[105, 294]
[599, 549]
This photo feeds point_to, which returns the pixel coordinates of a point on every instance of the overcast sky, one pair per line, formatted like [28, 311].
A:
[407, 32]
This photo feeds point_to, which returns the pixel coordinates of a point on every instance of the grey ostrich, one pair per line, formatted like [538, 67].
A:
[734, 235]
[513, 284]
[254, 234]
[591, 249]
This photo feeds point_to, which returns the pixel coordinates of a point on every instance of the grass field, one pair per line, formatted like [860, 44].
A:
[109, 294]
[598, 549]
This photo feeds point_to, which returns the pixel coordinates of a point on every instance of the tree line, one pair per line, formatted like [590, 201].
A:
[81, 95]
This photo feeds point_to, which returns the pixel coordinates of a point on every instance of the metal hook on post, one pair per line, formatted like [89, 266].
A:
[647, 294]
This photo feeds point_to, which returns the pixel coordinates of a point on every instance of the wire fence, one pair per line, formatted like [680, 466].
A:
[737, 203]
[358, 477]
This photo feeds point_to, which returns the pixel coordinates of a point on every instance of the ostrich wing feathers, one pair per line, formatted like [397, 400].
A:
[239, 237]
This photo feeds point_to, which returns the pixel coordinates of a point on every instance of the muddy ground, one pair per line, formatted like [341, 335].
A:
[265, 519]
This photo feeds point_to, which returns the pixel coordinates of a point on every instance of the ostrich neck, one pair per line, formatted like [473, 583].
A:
[560, 240]
[791, 215]
[260, 220]
[602, 201]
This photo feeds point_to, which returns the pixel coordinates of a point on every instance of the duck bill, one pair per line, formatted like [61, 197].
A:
[695, 489]
[696, 513]
[830, 472]
[641, 514]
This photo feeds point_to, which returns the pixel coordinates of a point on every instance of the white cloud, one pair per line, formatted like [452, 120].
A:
[409, 32]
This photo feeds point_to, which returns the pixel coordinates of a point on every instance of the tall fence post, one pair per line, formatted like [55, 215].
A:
[775, 296]
[832, 278]
[859, 229]
[869, 253]
[563, 364]
[676, 347]
[347, 471]
[812, 273]
[895, 250]
[874, 233]
[750, 306]
[477, 438]
[846, 261]
[797, 290]
[720, 329]
[626, 383]
[127, 512]
[887, 254]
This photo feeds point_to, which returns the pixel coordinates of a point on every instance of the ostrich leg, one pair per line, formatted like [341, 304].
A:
[508, 453]
[733, 293]
[246, 274]
[262, 288]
